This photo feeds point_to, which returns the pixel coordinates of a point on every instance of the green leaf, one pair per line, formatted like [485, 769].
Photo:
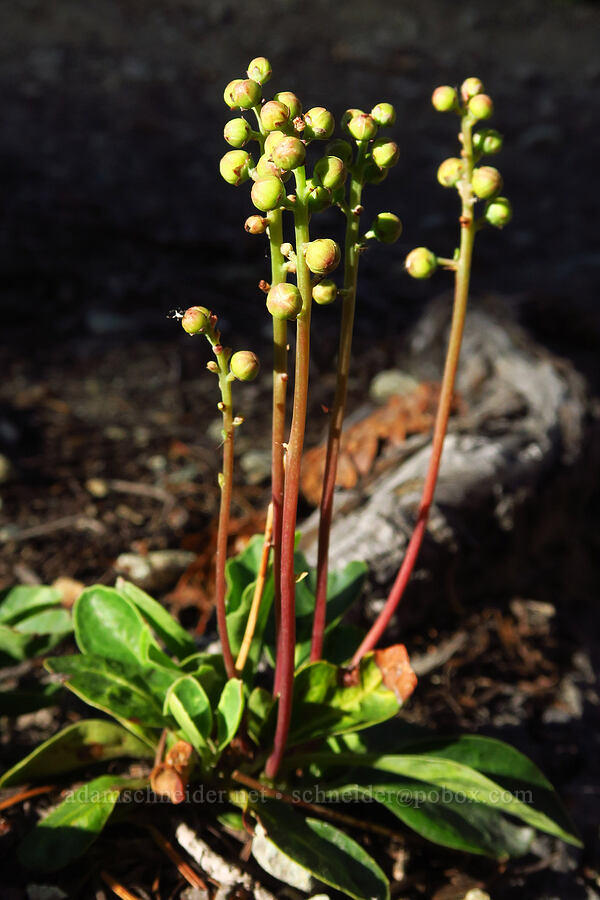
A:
[134, 698]
[23, 600]
[109, 625]
[229, 712]
[76, 746]
[13, 645]
[188, 704]
[444, 818]
[209, 669]
[175, 638]
[324, 706]
[459, 780]
[332, 856]
[260, 716]
[72, 827]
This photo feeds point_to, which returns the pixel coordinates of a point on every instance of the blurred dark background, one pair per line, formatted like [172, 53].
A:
[113, 213]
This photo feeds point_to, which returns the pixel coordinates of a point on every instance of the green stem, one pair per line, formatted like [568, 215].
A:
[461, 295]
[351, 258]
[284, 676]
[280, 354]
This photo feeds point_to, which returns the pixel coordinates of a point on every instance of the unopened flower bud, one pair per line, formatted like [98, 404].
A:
[260, 70]
[322, 256]
[195, 319]
[450, 172]
[319, 124]
[350, 114]
[292, 102]
[481, 106]
[288, 153]
[384, 114]
[489, 142]
[444, 98]
[246, 93]
[373, 174]
[498, 212]
[256, 224]
[284, 301]
[235, 166]
[331, 172]
[486, 182]
[470, 87]
[385, 153]
[387, 227]
[244, 365]
[421, 263]
[265, 166]
[363, 128]
[341, 149]
[274, 115]
[212, 366]
[267, 193]
[237, 132]
[318, 197]
[325, 292]
[228, 93]
[272, 139]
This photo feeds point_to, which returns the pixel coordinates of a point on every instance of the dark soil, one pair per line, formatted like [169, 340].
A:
[113, 214]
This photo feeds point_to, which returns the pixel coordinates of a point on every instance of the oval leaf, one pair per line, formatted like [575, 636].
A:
[78, 745]
[72, 827]
[25, 599]
[332, 856]
[175, 638]
[229, 712]
[187, 702]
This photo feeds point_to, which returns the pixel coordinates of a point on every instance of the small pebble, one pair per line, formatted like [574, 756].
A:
[390, 383]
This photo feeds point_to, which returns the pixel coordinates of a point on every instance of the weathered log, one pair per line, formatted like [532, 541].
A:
[521, 416]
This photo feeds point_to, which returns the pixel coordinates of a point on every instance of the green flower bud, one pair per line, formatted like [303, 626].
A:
[290, 100]
[470, 87]
[481, 106]
[421, 263]
[498, 212]
[384, 114]
[273, 115]
[363, 127]
[318, 197]
[260, 70]
[256, 224]
[272, 139]
[450, 172]
[385, 153]
[350, 114]
[228, 93]
[235, 166]
[246, 93]
[244, 365]
[195, 319]
[444, 98]
[284, 301]
[387, 228]
[267, 193]
[489, 142]
[331, 172]
[265, 166]
[341, 149]
[325, 292]
[288, 153]
[373, 174]
[237, 132]
[322, 256]
[319, 124]
[486, 182]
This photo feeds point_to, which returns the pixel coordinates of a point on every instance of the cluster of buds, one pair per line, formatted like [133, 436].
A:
[242, 365]
[472, 182]
[282, 132]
